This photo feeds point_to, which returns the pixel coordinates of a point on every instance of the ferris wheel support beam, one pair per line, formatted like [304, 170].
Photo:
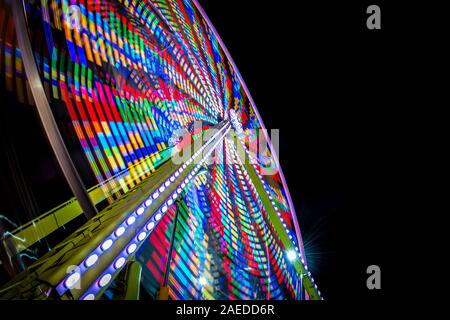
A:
[252, 102]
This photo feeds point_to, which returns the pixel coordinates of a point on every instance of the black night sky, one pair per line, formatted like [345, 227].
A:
[317, 74]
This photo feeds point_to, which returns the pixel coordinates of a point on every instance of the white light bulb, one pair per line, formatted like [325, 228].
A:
[291, 255]
[107, 244]
[132, 247]
[91, 260]
[120, 231]
[119, 263]
[142, 236]
[131, 220]
[202, 281]
[72, 280]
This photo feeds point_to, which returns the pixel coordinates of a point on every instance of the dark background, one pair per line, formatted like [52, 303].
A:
[341, 96]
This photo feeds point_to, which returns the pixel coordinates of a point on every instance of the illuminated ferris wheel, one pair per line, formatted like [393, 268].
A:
[144, 162]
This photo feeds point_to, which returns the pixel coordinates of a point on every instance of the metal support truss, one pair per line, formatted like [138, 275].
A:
[86, 263]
